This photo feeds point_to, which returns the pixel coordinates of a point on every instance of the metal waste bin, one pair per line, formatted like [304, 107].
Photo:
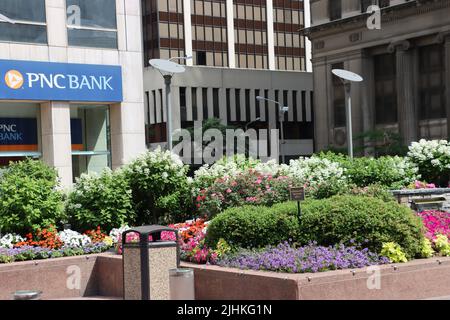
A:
[146, 263]
[182, 286]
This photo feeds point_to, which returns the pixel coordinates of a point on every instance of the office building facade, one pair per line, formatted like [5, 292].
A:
[71, 87]
[240, 49]
[403, 53]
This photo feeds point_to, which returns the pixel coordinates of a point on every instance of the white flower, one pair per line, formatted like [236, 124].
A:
[116, 232]
[9, 240]
[74, 239]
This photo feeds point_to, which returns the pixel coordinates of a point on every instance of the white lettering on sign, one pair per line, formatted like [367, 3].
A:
[74, 82]
[8, 127]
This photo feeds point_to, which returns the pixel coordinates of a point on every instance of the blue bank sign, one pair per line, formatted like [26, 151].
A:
[29, 80]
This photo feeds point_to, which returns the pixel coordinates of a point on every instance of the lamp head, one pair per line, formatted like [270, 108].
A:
[166, 66]
[347, 75]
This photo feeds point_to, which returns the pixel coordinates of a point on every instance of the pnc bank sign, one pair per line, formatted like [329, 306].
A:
[27, 80]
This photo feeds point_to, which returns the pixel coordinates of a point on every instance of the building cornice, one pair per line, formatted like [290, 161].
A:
[388, 14]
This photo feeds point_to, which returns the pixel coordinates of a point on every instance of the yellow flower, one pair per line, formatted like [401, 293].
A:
[108, 241]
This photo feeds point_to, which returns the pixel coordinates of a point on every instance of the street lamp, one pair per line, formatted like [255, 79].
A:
[167, 68]
[281, 111]
[347, 78]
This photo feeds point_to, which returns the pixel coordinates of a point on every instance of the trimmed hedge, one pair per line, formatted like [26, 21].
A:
[365, 220]
[341, 219]
[252, 227]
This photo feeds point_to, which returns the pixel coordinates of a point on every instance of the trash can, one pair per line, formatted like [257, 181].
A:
[182, 286]
[146, 263]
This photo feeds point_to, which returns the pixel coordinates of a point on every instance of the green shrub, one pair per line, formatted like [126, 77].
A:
[373, 190]
[391, 172]
[160, 188]
[251, 227]
[365, 220]
[29, 198]
[100, 200]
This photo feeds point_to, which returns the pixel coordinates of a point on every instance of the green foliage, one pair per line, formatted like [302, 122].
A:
[391, 172]
[380, 143]
[161, 192]
[442, 245]
[223, 248]
[365, 220]
[251, 227]
[29, 198]
[100, 200]
[426, 250]
[393, 252]
[373, 190]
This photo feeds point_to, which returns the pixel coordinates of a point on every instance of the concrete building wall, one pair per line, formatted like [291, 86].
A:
[127, 127]
[406, 27]
[225, 79]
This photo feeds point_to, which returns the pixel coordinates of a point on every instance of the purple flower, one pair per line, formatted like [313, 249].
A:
[310, 258]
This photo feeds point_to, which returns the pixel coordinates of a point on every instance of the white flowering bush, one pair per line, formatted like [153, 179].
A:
[160, 189]
[116, 233]
[227, 167]
[432, 157]
[103, 200]
[9, 240]
[74, 239]
[321, 177]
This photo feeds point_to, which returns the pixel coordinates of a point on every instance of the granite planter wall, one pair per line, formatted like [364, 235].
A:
[409, 196]
[101, 275]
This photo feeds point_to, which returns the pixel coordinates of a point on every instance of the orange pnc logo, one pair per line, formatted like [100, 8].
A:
[14, 79]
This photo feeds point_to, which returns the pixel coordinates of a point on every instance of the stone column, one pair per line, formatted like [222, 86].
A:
[444, 38]
[406, 102]
[323, 107]
[56, 139]
[368, 99]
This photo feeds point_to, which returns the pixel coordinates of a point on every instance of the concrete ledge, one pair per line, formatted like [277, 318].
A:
[63, 278]
[419, 279]
[102, 276]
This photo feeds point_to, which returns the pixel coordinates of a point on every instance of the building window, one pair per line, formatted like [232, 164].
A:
[19, 132]
[385, 89]
[338, 99]
[201, 58]
[91, 142]
[30, 21]
[157, 133]
[432, 82]
[289, 51]
[335, 8]
[92, 23]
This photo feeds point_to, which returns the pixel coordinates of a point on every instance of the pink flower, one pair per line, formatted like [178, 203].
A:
[229, 190]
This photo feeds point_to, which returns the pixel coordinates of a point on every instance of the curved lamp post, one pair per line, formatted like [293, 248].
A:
[281, 111]
[167, 68]
[347, 78]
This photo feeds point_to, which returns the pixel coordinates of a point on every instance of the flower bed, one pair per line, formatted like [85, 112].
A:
[311, 258]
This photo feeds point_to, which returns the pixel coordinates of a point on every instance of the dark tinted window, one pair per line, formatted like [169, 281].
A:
[432, 82]
[385, 89]
[335, 7]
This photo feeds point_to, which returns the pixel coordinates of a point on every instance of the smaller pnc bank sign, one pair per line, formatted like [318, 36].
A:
[29, 80]
[21, 134]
